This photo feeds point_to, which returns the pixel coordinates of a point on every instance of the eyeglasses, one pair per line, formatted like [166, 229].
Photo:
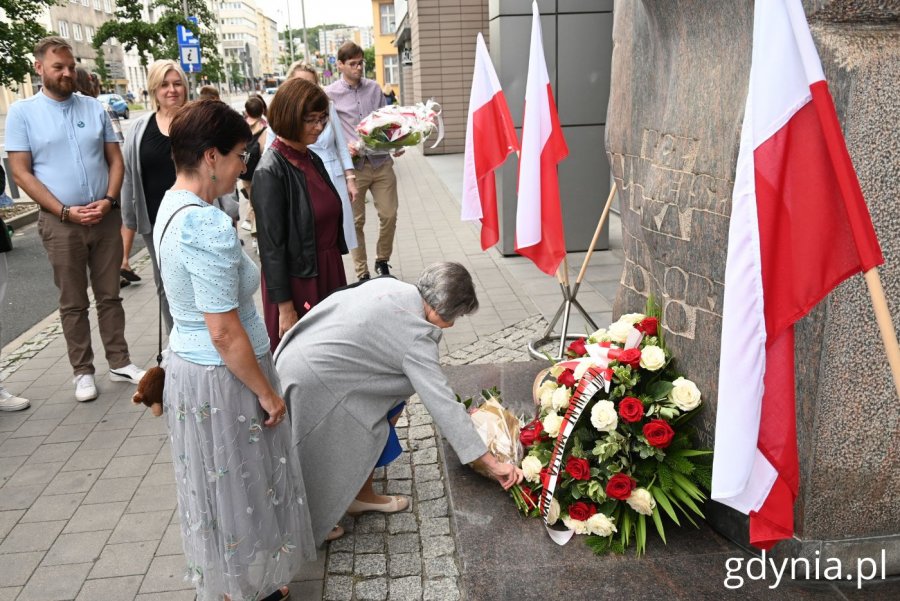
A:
[355, 64]
[245, 156]
[323, 121]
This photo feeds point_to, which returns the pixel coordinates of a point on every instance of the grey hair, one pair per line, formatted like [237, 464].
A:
[448, 289]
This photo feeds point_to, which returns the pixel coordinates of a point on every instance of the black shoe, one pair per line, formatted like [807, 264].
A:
[364, 277]
[130, 275]
[382, 268]
[123, 283]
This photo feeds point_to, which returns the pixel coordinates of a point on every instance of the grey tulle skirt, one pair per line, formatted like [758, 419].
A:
[244, 519]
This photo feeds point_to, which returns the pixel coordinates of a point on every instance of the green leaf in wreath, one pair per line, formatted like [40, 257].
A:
[659, 390]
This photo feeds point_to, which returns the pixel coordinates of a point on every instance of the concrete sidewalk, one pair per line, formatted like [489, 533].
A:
[87, 503]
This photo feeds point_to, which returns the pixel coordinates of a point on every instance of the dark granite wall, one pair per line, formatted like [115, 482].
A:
[679, 83]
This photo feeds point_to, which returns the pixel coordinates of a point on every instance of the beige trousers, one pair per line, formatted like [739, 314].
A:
[383, 184]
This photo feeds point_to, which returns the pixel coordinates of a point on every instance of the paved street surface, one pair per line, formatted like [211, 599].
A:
[87, 503]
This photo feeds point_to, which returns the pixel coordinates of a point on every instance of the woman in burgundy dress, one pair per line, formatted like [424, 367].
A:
[298, 211]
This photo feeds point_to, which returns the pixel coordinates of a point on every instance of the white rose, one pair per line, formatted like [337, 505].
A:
[551, 424]
[600, 525]
[604, 417]
[579, 526]
[545, 394]
[633, 318]
[553, 514]
[652, 357]
[641, 501]
[531, 467]
[684, 394]
[599, 336]
[560, 399]
[619, 331]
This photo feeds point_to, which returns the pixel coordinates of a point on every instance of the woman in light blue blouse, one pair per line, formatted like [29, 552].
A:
[244, 519]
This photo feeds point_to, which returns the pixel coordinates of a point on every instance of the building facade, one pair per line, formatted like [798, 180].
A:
[239, 33]
[387, 61]
[331, 39]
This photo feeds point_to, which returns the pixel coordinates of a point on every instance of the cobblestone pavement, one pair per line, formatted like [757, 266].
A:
[87, 503]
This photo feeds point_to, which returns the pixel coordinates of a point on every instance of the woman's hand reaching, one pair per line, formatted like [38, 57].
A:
[287, 317]
[506, 474]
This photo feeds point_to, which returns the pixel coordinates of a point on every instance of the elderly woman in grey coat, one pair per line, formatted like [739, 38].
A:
[354, 358]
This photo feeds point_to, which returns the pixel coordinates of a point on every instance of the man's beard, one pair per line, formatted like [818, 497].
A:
[64, 86]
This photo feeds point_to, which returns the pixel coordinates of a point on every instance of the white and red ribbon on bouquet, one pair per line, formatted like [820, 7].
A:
[596, 378]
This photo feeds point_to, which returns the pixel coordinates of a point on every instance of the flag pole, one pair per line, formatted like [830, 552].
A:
[570, 294]
[885, 325]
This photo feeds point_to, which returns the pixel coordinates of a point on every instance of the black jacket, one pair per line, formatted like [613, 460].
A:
[285, 225]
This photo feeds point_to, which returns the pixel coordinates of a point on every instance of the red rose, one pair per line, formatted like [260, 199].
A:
[581, 510]
[648, 325]
[631, 409]
[620, 486]
[658, 433]
[630, 357]
[545, 477]
[606, 344]
[578, 468]
[566, 378]
[576, 349]
[531, 433]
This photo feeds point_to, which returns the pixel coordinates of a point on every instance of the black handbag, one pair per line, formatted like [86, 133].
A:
[5, 240]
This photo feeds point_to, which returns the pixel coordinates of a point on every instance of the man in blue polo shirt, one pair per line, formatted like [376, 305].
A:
[65, 155]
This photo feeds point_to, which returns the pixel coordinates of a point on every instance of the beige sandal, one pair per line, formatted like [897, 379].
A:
[396, 504]
[336, 533]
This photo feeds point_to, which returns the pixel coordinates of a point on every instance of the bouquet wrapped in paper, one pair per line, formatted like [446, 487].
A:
[394, 127]
[499, 429]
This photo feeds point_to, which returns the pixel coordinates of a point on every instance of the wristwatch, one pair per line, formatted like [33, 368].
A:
[113, 201]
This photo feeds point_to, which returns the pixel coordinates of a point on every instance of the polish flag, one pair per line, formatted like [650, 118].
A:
[539, 225]
[799, 227]
[490, 137]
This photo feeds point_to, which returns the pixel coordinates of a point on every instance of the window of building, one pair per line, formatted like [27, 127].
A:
[391, 73]
[98, 4]
[108, 6]
[76, 32]
[387, 18]
[63, 29]
[86, 2]
[88, 34]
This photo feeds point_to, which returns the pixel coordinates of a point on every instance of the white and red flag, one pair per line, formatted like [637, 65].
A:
[539, 225]
[490, 137]
[799, 227]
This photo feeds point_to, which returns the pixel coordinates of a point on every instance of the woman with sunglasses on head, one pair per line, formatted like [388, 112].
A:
[298, 211]
[242, 504]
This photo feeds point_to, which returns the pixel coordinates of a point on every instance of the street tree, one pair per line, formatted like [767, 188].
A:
[19, 32]
[159, 39]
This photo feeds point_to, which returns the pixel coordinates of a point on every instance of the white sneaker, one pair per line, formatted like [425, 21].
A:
[10, 402]
[130, 373]
[246, 225]
[85, 389]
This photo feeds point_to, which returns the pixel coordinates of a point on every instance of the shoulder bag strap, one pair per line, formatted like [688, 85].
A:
[159, 300]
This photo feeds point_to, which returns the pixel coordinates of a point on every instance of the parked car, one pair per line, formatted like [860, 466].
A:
[116, 103]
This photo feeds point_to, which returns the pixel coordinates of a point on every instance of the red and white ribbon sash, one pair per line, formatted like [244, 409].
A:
[590, 384]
